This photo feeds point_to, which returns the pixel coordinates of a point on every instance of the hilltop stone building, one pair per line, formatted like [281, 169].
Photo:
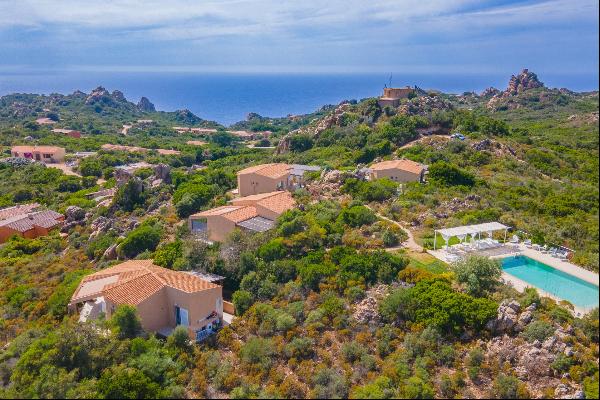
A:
[392, 96]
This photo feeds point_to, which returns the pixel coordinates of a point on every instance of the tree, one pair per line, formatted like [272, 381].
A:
[301, 143]
[180, 339]
[223, 139]
[140, 239]
[121, 382]
[357, 216]
[90, 167]
[493, 127]
[448, 174]
[130, 195]
[242, 301]
[189, 198]
[167, 254]
[478, 275]
[125, 322]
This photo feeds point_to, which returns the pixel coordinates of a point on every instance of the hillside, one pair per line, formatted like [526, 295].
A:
[331, 302]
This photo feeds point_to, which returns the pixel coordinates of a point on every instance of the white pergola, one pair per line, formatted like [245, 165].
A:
[461, 232]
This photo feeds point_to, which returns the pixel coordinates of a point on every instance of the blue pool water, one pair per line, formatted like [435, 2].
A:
[553, 281]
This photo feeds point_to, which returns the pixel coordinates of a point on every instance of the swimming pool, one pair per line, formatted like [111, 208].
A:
[560, 284]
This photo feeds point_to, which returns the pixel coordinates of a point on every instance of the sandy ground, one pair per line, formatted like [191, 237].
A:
[69, 171]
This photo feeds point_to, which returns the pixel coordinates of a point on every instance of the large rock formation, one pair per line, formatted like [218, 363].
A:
[524, 81]
[145, 105]
[97, 95]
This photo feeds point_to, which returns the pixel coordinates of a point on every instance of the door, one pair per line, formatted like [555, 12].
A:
[181, 316]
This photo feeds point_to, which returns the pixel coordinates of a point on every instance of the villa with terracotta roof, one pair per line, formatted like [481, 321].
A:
[266, 178]
[45, 154]
[164, 299]
[256, 213]
[27, 221]
[399, 171]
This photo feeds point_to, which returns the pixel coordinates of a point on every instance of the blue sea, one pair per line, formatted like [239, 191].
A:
[228, 98]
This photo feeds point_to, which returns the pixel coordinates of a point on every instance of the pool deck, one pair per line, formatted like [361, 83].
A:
[545, 258]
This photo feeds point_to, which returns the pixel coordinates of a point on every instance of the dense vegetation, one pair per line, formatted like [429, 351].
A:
[327, 304]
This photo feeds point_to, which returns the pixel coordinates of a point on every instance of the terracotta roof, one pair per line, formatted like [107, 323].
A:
[217, 211]
[405, 165]
[31, 149]
[242, 214]
[279, 203]
[25, 222]
[275, 170]
[19, 209]
[253, 198]
[136, 281]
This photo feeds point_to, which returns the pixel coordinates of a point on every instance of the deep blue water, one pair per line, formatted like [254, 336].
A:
[228, 98]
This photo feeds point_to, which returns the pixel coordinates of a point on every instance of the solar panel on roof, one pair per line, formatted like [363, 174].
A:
[257, 224]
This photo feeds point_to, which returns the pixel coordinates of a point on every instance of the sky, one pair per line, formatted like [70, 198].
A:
[307, 36]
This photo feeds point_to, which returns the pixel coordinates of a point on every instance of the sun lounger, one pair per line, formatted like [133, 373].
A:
[514, 239]
[527, 243]
[544, 249]
[536, 246]
[562, 255]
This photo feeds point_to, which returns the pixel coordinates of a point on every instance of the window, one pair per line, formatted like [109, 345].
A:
[47, 155]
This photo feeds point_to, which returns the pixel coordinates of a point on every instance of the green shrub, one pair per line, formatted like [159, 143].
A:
[538, 330]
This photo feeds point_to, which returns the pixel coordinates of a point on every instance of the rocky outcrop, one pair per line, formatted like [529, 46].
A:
[97, 95]
[117, 95]
[505, 321]
[187, 117]
[525, 318]
[490, 92]
[145, 105]
[425, 105]
[111, 252]
[367, 310]
[526, 80]
[532, 361]
[162, 172]
[100, 225]
[495, 147]
[74, 216]
[74, 213]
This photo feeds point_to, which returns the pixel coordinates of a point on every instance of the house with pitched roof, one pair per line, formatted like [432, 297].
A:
[398, 171]
[27, 221]
[164, 299]
[45, 154]
[266, 178]
[256, 213]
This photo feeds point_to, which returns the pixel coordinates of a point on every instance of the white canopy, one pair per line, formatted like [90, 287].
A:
[462, 231]
[472, 229]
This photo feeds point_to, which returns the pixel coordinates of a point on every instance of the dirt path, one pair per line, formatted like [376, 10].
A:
[421, 138]
[410, 243]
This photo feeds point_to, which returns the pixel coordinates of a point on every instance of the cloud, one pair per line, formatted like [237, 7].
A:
[300, 35]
